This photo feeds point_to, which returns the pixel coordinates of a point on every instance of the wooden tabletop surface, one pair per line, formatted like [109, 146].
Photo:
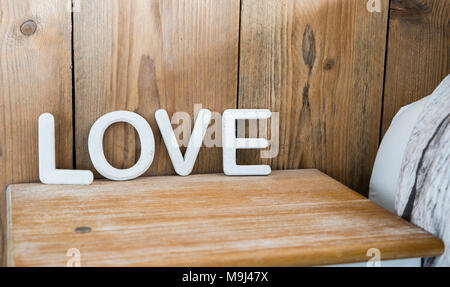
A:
[290, 218]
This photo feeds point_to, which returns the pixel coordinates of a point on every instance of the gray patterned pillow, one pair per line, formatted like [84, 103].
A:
[423, 195]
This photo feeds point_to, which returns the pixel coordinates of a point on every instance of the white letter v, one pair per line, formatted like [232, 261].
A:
[183, 166]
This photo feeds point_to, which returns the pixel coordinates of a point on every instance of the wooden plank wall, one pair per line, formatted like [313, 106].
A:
[418, 56]
[319, 63]
[35, 77]
[145, 55]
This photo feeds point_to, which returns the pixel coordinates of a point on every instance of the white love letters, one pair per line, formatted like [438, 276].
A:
[183, 165]
[48, 173]
[95, 144]
[231, 143]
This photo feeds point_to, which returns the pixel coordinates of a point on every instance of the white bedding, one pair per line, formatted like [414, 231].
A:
[386, 171]
[411, 176]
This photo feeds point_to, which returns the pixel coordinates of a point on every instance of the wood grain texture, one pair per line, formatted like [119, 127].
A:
[297, 217]
[418, 57]
[144, 55]
[320, 65]
[35, 77]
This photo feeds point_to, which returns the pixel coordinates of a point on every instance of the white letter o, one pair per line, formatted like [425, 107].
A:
[96, 145]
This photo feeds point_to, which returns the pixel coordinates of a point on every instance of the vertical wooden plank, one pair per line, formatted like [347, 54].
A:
[144, 55]
[35, 77]
[320, 65]
[418, 56]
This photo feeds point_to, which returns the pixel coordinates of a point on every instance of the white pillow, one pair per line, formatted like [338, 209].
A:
[386, 171]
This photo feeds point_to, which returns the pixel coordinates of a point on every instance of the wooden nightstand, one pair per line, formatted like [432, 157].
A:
[290, 218]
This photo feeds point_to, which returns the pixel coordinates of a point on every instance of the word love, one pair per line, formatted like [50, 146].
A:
[183, 165]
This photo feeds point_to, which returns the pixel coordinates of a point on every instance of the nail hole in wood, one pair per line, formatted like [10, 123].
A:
[28, 28]
[329, 64]
[83, 229]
